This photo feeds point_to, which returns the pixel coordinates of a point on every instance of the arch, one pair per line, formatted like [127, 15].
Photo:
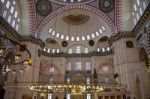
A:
[43, 67]
[142, 53]
[103, 39]
[32, 17]
[10, 55]
[105, 75]
[104, 64]
[52, 46]
[102, 42]
[81, 7]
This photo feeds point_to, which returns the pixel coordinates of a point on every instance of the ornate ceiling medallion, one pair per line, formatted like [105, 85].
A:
[76, 19]
[43, 7]
[106, 5]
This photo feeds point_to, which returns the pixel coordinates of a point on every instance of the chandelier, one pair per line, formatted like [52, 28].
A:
[71, 88]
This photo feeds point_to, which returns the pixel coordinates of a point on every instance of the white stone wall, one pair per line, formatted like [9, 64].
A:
[128, 66]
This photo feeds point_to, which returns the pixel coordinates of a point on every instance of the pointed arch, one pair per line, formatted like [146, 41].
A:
[32, 17]
[81, 7]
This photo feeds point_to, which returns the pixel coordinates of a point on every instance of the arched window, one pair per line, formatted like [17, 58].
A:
[88, 66]
[68, 67]
[78, 66]
[106, 75]
[51, 70]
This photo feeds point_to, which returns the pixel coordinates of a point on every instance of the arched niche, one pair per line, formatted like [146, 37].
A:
[52, 46]
[103, 42]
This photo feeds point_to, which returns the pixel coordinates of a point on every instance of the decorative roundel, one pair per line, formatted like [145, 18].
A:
[64, 43]
[43, 7]
[39, 52]
[91, 43]
[106, 5]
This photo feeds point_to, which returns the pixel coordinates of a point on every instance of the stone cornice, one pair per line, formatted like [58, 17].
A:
[142, 21]
[4, 25]
[125, 34]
